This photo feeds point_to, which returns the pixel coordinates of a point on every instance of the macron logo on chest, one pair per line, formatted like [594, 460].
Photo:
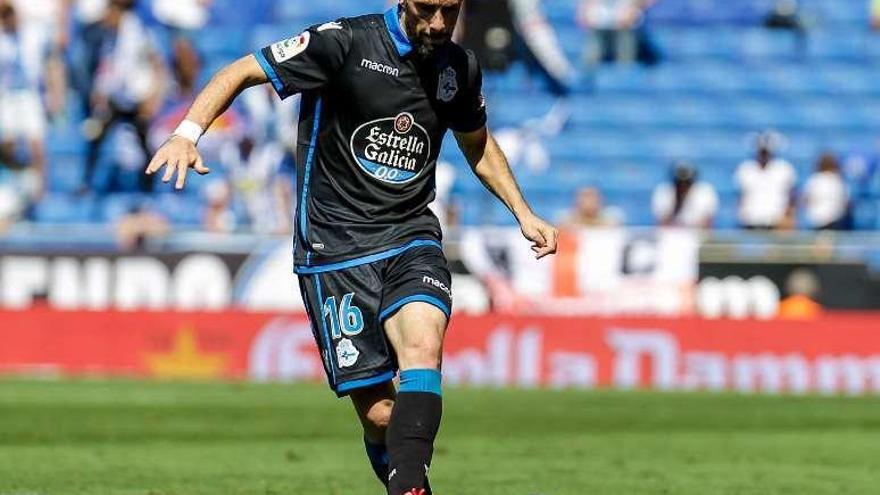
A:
[381, 68]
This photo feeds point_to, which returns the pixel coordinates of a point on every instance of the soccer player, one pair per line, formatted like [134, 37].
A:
[378, 94]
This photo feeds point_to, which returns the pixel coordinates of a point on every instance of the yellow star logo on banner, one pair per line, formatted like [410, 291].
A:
[185, 360]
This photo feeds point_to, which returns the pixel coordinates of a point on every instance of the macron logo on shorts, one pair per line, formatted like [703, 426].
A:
[438, 284]
[380, 68]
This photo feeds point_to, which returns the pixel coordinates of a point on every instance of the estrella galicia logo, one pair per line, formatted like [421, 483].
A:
[393, 150]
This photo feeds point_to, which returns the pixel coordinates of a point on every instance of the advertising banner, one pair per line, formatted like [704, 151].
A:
[257, 279]
[740, 288]
[837, 353]
[597, 272]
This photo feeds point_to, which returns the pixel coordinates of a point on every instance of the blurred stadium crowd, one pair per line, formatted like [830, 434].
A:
[754, 114]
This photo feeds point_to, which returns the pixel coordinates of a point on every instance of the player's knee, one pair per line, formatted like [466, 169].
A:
[379, 416]
[421, 353]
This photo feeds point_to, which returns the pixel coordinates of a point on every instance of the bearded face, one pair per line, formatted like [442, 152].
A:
[430, 23]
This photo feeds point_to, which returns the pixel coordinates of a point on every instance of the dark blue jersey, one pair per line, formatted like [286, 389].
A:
[373, 117]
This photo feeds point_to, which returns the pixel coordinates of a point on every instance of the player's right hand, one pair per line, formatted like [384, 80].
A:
[544, 236]
[177, 154]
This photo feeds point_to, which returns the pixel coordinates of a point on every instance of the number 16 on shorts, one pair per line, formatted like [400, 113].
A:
[344, 319]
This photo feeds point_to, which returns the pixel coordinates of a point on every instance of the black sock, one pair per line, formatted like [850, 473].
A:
[411, 432]
[378, 454]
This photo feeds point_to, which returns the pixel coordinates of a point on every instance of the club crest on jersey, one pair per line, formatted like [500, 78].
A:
[447, 88]
[291, 47]
[329, 26]
[403, 123]
[394, 150]
[346, 353]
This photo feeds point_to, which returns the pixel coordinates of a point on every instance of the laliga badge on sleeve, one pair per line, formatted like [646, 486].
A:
[291, 47]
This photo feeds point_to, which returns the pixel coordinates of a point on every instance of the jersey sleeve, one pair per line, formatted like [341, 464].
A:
[306, 61]
[469, 112]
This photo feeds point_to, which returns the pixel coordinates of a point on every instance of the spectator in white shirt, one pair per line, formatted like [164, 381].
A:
[128, 82]
[22, 115]
[825, 197]
[90, 11]
[685, 202]
[44, 34]
[11, 205]
[766, 185]
[182, 15]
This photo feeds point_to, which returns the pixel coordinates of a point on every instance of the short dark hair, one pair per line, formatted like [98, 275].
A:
[6, 9]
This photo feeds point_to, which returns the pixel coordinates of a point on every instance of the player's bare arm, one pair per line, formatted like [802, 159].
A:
[490, 165]
[179, 153]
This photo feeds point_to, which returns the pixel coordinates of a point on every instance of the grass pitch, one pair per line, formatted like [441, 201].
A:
[136, 438]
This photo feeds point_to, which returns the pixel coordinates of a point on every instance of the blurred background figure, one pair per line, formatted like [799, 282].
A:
[590, 211]
[218, 217]
[825, 196]
[785, 15]
[12, 205]
[139, 226]
[22, 114]
[525, 145]
[186, 66]
[543, 53]
[86, 12]
[874, 7]
[257, 172]
[44, 34]
[685, 201]
[182, 15]
[443, 206]
[617, 31]
[766, 186]
[128, 83]
[802, 289]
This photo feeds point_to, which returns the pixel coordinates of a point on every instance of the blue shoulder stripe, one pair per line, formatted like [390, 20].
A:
[270, 72]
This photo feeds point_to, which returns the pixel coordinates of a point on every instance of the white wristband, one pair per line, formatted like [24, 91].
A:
[189, 130]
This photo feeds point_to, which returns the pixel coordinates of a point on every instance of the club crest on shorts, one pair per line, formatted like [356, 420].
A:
[447, 88]
[346, 353]
[291, 47]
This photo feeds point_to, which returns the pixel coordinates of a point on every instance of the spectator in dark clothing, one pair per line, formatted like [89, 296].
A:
[785, 15]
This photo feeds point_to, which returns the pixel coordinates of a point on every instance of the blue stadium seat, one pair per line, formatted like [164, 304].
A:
[65, 208]
[64, 173]
[115, 206]
[179, 209]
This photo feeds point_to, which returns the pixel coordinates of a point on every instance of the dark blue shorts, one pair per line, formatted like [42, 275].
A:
[347, 308]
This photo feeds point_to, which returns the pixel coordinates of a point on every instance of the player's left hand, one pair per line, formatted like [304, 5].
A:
[542, 234]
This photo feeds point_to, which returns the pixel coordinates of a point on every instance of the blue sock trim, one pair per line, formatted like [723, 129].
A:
[420, 381]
